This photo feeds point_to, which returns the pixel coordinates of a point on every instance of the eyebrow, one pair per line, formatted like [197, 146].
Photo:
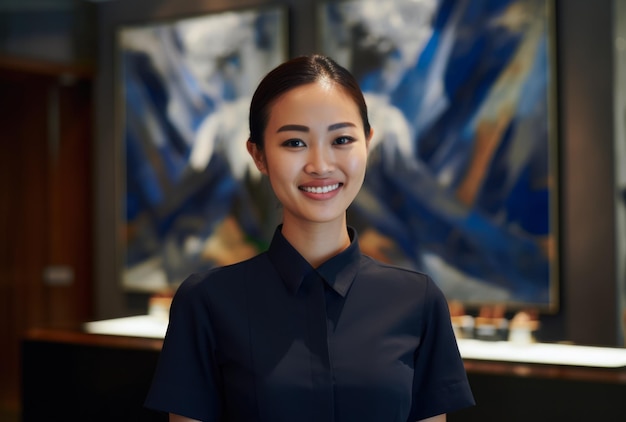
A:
[301, 128]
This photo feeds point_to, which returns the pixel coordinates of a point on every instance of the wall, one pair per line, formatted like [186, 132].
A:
[588, 289]
[585, 75]
[620, 154]
[60, 31]
[45, 213]
[46, 104]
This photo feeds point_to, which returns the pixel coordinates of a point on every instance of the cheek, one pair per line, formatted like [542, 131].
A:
[278, 171]
[357, 165]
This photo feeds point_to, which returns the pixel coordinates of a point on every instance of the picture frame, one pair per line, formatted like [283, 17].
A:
[191, 199]
[463, 179]
[620, 162]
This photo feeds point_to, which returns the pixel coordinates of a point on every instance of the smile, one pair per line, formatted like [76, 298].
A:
[320, 189]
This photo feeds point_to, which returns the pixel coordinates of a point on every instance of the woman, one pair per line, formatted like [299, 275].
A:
[310, 330]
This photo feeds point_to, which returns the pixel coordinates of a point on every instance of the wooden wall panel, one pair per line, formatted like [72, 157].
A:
[24, 238]
[45, 207]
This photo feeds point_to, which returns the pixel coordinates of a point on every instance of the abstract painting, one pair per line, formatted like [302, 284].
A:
[462, 180]
[191, 201]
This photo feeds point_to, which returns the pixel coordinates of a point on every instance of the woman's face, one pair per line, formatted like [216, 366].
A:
[315, 152]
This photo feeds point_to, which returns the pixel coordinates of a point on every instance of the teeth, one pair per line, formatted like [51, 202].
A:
[320, 189]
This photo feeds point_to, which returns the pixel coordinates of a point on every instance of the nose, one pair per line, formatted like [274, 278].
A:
[320, 161]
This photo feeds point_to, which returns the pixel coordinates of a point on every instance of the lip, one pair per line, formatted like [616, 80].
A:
[321, 190]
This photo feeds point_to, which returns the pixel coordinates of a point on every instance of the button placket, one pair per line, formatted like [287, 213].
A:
[321, 369]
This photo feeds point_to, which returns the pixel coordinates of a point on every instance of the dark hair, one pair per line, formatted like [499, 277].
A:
[292, 74]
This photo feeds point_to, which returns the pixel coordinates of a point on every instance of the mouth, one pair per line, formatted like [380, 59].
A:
[320, 189]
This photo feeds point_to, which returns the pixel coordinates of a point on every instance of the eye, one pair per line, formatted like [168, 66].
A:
[343, 140]
[293, 143]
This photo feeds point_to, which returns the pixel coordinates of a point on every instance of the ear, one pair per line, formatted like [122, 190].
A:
[258, 156]
[368, 139]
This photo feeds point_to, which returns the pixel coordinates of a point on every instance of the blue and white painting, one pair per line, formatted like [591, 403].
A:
[461, 181]
[192, 195]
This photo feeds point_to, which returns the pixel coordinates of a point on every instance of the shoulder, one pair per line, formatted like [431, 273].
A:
[395, 276]
[409, 292]
[220, 280]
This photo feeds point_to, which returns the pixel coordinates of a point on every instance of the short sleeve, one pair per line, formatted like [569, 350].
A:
[186, 378]
[440, 382]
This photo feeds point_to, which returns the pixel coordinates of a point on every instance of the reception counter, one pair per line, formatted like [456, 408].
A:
[102, 371]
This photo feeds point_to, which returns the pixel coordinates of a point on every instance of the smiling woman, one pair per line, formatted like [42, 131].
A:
[310, 330]
[314, 152]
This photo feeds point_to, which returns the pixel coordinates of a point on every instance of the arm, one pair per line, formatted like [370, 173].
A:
[178, 418]
[438, 418]
[187, 367]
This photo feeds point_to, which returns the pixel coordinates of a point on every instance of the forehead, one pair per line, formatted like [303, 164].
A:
[321, 99]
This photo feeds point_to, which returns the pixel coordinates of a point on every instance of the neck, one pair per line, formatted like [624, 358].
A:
[317, 242]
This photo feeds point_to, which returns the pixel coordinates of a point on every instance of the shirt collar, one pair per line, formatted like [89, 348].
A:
[338, 272]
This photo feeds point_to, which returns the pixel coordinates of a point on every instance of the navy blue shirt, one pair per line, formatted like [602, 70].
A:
[274, 339]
